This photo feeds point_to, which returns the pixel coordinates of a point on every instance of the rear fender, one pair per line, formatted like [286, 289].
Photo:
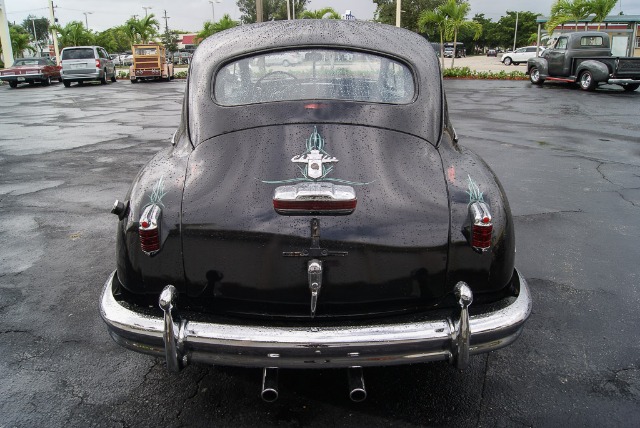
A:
[466, 174]
[160, 182]
[599, 70]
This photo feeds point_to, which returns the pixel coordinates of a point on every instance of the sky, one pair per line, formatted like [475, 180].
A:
[190, 15]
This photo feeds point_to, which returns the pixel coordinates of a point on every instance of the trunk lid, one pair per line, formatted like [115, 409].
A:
[242, 257]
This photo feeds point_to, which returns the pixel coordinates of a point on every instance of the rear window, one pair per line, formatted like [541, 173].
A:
[80, 53]
[591, 41]
[314, 74]
[146, 51]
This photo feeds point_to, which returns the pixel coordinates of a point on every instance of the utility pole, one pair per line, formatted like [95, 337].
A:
[5, 37]
[35, 36]
[145, 10]
[515, 33]
[52, 21]
[166, 24]
[398, 12]
[288, 10]
[259, 16]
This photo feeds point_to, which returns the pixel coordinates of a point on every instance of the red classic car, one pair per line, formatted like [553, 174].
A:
[31, 70]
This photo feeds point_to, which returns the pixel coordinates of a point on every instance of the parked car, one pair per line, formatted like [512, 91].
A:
[520, 55]
[585, 58]
[116, 58]
[182, 57]
[127, 59]
[286, 59]
[460, 50]
[492, 52]
[324, 219]
[86, 63]
[31, 70]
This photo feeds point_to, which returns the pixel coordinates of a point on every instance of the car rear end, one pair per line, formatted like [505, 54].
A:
[81, 64]
[321, 218]
[25, 71]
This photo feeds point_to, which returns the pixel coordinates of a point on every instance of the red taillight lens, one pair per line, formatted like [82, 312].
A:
[149, 240]
[481, 236]
[481, 226]
[149, 229]
[97, 63]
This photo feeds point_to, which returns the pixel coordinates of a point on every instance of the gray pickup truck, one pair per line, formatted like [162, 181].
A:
[584, 58]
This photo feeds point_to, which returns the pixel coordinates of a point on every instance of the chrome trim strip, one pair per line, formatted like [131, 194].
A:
[337, 346]
[622, 81]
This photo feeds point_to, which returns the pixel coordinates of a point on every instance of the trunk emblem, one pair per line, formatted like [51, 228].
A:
[315, 164]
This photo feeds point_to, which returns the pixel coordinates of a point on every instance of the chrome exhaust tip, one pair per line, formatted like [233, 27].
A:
[269, 384]
[357, 391]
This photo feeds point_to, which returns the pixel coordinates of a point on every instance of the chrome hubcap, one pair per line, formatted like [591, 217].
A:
[586, 80]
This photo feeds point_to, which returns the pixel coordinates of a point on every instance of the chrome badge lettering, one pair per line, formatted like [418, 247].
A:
[317, 164]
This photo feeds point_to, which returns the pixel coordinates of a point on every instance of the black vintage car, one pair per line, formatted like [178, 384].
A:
[316, 215]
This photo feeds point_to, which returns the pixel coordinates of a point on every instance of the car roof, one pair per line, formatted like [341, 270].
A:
[422, 117]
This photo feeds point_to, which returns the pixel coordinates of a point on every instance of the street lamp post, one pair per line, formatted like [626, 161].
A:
[146, 9]
[86, 21]
[213, 13]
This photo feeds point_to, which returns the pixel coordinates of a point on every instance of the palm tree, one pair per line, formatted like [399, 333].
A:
[437, 19]
[20, 40]
[73, 34]
[563, 11]
[601, 8]
[215, 27]
[456, 14]
[143, 30]
[324, 13]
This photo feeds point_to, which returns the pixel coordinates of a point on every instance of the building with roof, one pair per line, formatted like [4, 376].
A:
[623, 30]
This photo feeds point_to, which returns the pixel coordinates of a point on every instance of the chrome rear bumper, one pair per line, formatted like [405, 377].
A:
[181, 341]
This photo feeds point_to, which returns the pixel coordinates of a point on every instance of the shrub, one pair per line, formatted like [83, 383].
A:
[467, 73]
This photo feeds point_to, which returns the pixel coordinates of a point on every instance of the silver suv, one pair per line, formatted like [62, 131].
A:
[86, 63]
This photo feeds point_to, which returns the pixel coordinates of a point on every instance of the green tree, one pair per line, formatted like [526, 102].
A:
[326, 13]
[273, 10]
[436, 20]
[41, 36]
[115, 39]
[488, 37]
[386, 12]
[170, 41]
[20, 40]
[563, 11]
[73, 34]
[601, 8]
[456, 15]
[143, 30]
[215, 27]
[506, 24]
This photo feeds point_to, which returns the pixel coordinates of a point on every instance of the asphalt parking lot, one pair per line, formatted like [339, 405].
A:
[568, 160]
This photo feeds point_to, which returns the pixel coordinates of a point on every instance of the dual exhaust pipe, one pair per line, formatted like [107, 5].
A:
[355, 378]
